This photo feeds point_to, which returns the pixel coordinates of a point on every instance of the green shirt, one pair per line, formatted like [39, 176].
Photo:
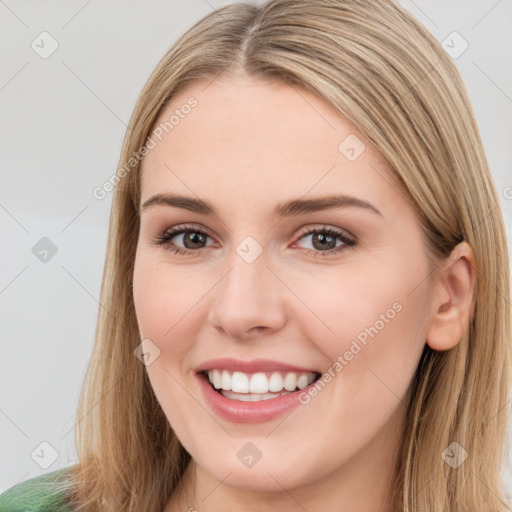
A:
[38, 494]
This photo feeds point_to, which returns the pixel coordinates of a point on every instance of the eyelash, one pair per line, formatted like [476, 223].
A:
[165, 237]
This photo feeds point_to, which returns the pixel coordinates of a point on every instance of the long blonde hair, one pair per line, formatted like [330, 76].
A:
[391, 78]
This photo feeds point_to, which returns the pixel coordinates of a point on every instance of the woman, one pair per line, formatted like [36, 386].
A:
[306, 289]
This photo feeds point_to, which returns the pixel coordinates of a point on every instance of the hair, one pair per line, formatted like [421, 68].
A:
[393, 80]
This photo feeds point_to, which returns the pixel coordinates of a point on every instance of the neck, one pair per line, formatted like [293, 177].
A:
[364, 483]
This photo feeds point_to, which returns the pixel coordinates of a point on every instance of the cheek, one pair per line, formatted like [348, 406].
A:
[162, 296]
[337, 306]
[370, 325]
[165, 313]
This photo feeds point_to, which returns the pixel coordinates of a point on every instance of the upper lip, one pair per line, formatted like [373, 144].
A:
[253, 366]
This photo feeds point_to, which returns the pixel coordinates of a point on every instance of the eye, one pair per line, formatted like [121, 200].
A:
[190, 236]
[324, 240]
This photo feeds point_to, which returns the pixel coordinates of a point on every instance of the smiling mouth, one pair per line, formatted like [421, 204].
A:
[254, 387]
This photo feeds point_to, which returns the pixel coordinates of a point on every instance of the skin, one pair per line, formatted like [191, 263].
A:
[247, 146]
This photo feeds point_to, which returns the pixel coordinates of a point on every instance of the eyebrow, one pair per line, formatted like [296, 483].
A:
[289, 208]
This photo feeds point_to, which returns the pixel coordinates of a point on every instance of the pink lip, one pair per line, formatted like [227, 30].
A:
[248, 412]
[256, 365]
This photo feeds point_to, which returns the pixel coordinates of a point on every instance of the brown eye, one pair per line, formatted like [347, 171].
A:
[324, 240]
[191, 238]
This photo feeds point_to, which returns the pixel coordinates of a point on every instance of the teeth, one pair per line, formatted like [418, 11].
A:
[250, 397]
[259, 383]
[215, 378]
[226, 380]
[239, 382]
[302, 381]
[275, 382]
[290, 381]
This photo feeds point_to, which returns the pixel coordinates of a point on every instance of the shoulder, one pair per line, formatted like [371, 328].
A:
[44, 493]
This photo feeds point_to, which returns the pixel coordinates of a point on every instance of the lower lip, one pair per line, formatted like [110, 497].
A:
[248, 412]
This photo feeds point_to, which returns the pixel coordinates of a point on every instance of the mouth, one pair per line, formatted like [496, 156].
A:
[257, 386]
[254, 391]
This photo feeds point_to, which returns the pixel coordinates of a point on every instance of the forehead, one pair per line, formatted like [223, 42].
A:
[262, 138]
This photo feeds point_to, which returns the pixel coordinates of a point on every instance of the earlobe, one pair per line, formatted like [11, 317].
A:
[453, 301]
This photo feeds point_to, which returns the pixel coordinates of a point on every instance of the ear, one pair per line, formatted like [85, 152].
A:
[453, 301]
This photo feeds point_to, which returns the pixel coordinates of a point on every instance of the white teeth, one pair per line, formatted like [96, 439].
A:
[268, 384]
[217, 378]
[290, 381]
[239, 383]
[276, 382]
[302, 381]
[249, 397]
[226, 380]
[258, 384]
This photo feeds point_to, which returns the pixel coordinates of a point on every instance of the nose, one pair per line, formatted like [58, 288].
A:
[249, 300]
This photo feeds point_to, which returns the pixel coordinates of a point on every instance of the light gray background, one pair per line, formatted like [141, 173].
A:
[63, 120]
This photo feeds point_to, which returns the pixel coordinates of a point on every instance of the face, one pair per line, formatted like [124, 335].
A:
[253, 278]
